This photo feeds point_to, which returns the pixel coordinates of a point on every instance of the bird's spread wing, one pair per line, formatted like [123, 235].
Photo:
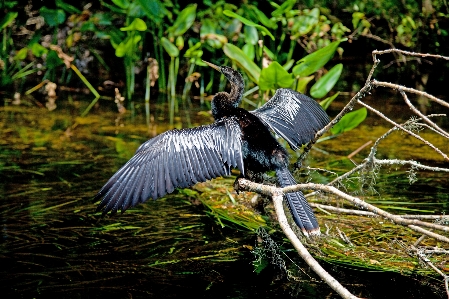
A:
[174, 159]
[293, 116]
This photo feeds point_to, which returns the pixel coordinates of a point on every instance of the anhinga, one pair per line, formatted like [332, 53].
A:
[238, 138]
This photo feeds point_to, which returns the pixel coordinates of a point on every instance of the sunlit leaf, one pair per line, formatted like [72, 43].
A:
[327, 82]
[249, 51]
[349, 121]
[274, 76]
[245, 21]
[316, 60]
[184, 21]
[21, 54]
[236, 54]
[302, 83]
[53, 17]
[327, 101]
[38, 50]
[137, 24]
[169, 47]
[10, 16]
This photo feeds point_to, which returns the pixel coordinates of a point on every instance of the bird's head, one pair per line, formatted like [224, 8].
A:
[235, 78]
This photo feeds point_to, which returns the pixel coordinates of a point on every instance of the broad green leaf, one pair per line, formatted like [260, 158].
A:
[249, 51]
[53, 17]
[38, 50]
[327, 82]
[154, 9]
[286, 6]
[184, 21]
[245, 21]
[302, 83]
[349, 121]
[316, 60]
[274, 76]
[67, 7]
[327, 101]
[123, 4]
[10, 16]
[236, 54]
[169, 47]
[137, 24]
[21, 54]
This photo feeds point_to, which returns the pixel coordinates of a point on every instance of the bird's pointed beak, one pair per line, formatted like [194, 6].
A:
[212, 66]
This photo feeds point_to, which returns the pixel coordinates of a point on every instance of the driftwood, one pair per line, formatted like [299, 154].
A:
[371, 163]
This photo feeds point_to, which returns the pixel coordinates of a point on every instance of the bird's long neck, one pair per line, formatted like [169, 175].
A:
[236, 94]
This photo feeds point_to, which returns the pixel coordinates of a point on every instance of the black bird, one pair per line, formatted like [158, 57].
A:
[238, 138]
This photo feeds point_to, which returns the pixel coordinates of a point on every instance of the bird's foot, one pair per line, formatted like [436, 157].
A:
[237, 185]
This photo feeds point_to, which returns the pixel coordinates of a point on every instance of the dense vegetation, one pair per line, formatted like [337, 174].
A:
[115, 41]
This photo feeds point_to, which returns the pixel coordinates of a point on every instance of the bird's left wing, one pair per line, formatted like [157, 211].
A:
[293, 116]
[174, 159]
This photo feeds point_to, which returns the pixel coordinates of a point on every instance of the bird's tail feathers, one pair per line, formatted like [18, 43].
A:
[299, 207]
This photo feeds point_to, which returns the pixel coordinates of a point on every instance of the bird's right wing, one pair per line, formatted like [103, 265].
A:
[293, 116]
[174, 159]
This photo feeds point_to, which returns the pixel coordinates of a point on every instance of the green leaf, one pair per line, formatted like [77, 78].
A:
[21, 54]
[126, 46]
[237, 55]
[245, 21]
[286, 6]
[327, 82]
[274, 76]
[53, 60]
[327, 101]
[137, 24]
[53, 17]
[67, 7]
[249, 51]
[302, 83]
[349, 121]
[263, 18]
[123, 4]
[316, 60]
[169, 47]
[154, 9]
[356, 17]
[38, 50]
[10, 16]
[184, 21]
[251, 36]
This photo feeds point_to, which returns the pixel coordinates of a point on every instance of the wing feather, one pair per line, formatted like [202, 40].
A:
[174, 159]
[293, 116]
